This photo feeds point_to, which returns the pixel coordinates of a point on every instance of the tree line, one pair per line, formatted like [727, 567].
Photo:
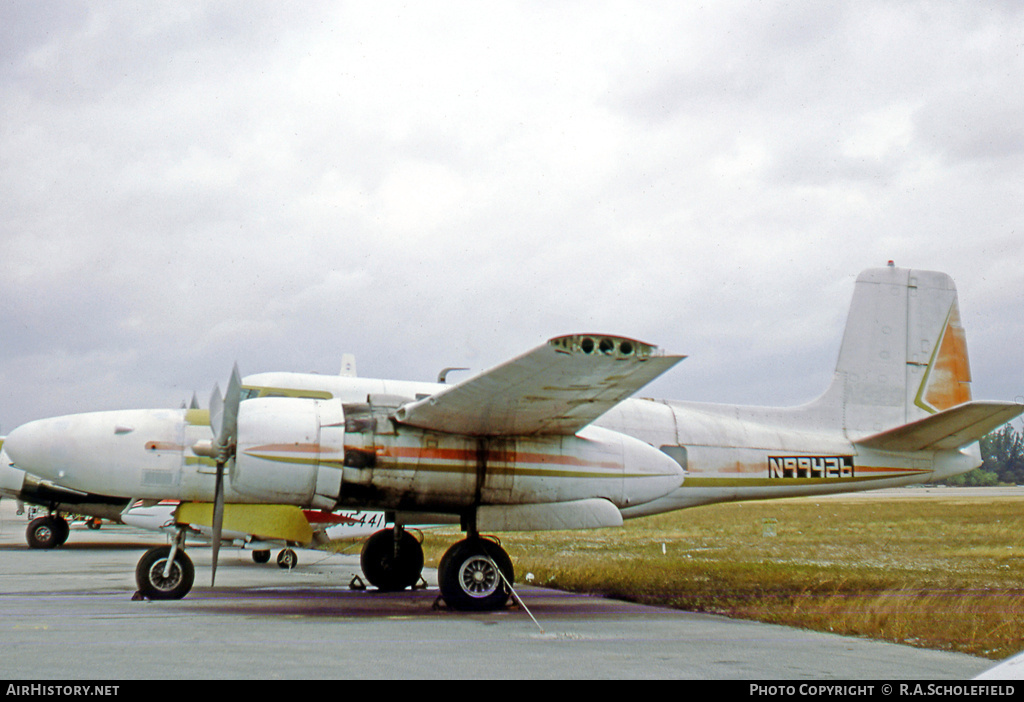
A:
[1003, 453]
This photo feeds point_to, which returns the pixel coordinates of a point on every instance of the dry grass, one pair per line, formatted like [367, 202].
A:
[943, 573]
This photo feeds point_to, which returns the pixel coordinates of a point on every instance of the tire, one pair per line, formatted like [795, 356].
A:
[388, 569]
[261, 556]
[287, 559]
[150, 578]
[43, 532]
[468, 578]
[62, 529]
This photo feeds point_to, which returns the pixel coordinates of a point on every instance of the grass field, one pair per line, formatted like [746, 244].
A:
[930, 571]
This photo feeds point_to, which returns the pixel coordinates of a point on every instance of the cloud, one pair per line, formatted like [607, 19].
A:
[190, 184]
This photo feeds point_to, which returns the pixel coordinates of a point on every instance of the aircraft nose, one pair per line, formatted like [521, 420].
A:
[107, 453]
[35, 448]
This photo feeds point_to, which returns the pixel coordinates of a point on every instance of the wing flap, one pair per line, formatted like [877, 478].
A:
[558, 388]
[950, 429]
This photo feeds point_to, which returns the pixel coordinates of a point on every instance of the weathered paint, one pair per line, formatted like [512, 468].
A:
[411, 468]
[903, 357]
[947, 381]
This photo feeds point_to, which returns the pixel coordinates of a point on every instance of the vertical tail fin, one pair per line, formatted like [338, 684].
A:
[904, 352]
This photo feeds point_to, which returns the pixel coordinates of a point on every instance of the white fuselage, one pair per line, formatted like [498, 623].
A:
[557, 427]
[727, 453]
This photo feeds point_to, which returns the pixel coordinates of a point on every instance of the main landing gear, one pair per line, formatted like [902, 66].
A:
[50, 531]
[392, 559]
[475, 574]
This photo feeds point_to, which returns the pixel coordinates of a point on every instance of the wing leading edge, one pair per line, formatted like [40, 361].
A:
[557, 388]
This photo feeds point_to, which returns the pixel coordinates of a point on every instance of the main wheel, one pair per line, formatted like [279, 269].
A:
[261, 556]
[287, 559]
[62, 529]
[149, 574]
[390, 566]
[43, 532]
[469, 576]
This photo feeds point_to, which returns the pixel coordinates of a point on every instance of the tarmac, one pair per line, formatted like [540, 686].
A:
[68, 614]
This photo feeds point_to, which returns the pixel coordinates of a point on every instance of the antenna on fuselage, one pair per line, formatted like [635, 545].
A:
[442, 377]
[348, 365]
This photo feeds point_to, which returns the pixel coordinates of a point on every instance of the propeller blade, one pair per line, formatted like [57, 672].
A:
[218, 519]
[232, 399]
[216, 412]
[224, 423]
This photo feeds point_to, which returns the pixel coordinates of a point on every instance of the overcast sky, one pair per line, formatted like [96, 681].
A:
[184, 185]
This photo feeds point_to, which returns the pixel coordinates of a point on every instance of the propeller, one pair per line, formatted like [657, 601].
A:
[224, 423]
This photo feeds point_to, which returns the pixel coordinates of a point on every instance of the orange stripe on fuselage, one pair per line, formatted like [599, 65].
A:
[494, 456]
[418, 455]
[290, 448]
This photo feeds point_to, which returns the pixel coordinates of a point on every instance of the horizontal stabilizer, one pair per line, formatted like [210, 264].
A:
[950, 429]
[558, 388]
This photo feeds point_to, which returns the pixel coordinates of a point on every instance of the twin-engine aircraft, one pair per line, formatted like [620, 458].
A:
[549, 440]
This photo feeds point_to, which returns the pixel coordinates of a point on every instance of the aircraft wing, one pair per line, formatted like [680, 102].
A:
[285, 522]
[558, 388]
[950, 429]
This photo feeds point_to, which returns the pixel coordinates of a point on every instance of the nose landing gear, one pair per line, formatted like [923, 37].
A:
[165, 572]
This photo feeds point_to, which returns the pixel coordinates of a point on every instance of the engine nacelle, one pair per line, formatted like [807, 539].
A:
[320, 453]
[393, 466]
[290, 451]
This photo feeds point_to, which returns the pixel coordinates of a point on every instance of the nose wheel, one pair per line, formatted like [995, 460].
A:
[475, 575]
[164, 573]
